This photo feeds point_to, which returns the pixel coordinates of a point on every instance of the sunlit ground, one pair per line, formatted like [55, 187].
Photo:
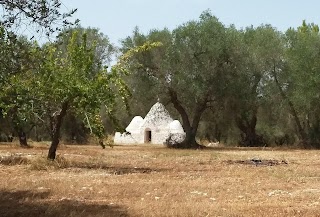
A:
[156, 181]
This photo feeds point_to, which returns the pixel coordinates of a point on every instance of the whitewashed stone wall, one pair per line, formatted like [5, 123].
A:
[158, 121]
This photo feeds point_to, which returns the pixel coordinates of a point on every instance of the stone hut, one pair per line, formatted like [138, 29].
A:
[155, 128]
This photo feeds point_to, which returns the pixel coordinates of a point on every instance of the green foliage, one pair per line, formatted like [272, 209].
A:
[303, 77]
[65, 74]
[16, 102]
[43, 15]
[75, 77]
[16, 53]
[190, 69]
[242, 73]
[255, 85]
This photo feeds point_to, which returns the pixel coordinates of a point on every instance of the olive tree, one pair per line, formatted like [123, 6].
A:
[189, 70]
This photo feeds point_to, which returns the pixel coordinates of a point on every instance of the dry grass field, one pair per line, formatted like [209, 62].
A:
[156, 181]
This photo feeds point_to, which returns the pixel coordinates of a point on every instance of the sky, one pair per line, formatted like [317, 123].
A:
[118, 18]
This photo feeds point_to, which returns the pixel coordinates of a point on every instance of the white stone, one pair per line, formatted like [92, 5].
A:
[175, 127]
[135, 124]
[155, 128]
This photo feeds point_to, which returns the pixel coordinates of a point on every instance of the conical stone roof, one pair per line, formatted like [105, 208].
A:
[157, 116]
[135, 124]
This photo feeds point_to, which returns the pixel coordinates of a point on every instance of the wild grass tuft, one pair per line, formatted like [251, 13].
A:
[13, 160]
[42, 163]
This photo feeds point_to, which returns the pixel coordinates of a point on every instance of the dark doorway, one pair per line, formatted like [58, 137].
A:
[147, 136]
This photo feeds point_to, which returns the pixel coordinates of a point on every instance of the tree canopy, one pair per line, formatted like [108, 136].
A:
[206, 68]
[251, 87]
[44, 16]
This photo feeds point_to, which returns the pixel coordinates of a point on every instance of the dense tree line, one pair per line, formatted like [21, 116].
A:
[249, 87]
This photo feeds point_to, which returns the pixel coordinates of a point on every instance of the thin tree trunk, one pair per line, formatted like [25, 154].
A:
[56, 124]
[18, 128]
[218, 133]
[22, 136]
[302, 134]
[22, 139]
[10, 137]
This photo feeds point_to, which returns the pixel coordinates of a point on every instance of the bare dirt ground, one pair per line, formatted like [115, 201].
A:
[156, 181]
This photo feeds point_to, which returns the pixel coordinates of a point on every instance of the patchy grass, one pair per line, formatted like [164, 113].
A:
[13, 160]
[156, 181]
[42, 163]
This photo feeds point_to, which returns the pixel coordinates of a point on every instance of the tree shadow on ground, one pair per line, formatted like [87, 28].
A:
[30, 203]
[63, 163]
[116, 170]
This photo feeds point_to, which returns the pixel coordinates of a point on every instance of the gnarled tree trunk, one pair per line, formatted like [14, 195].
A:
[190, 140]
[190, 129]
[56, 122]
[247, 126]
